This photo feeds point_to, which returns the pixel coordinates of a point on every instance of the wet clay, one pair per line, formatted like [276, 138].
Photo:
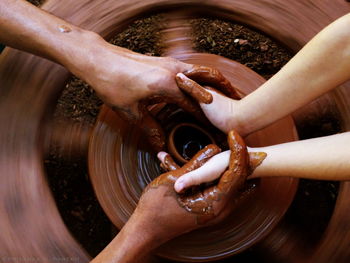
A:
[116, 146]
[64, 29]
[208, 76]
[197, 161]
[202, 201]
[194, 89]
[201, 74]
[255, 159]
[186, 139]
[169, 164]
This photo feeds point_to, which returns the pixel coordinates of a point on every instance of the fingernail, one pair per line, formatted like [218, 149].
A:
[161, 156]
[179, 186]
[180, 75]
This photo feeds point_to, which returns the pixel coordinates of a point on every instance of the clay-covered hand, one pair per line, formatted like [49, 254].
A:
[202, 74]
[162, 214]
[213, 169]
[129, 82]
[124, 79]
[223, 111]
[170, 214]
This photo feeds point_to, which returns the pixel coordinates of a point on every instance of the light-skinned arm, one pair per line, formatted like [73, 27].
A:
[320, 66]
[323, 158]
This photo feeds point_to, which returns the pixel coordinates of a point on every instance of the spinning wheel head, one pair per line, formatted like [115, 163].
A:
[121, 166]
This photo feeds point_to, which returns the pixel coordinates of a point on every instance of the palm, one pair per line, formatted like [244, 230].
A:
[220, 110]
[200, 206]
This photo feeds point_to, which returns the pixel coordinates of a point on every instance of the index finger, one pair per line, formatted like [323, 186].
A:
[238, 168]
[212, 77]
[167, 162]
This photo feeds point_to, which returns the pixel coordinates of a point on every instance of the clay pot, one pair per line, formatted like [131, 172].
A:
[186, 139]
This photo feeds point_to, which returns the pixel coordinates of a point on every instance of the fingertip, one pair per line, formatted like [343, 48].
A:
[179, 185]
[180, 75]
[180, 79]
[161, 156]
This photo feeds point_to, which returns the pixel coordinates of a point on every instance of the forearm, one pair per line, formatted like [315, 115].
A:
[132, 244]
[324, 158]
[323, 64]
[26, 27]
[31, 29]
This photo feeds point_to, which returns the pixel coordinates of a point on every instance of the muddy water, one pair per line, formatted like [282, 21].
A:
[30, 225]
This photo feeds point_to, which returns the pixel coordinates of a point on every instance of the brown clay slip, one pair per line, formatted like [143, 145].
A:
[194, 89]
[197, 161]
[255, 159]
[212, 77]
[150, 126]
[208, 202]
[169, 164]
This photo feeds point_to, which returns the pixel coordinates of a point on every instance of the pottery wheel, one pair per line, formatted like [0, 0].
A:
[120, 166]
[31, 226]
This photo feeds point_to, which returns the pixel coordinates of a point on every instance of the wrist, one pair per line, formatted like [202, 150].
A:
[129, 246]
[78, 53]
[238, 119]
[97, 62]
[135, 240]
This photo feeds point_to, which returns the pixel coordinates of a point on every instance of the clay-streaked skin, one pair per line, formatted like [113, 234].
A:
[197, 161]
[169, 164]
[187, 82]
[64, 29]
[211, 77]
[196, 91]
[149, 226]
[255, 159]
[124, 80]
[203, 75]
[207, 203]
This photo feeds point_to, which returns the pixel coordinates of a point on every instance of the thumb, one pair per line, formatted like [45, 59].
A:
[210, 171]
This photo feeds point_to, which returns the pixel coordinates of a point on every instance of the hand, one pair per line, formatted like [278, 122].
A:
[160, 208]
[162, 214]
[223, 111]
[123, 78]
[120, 77]
[129, 82]
[211, 169]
